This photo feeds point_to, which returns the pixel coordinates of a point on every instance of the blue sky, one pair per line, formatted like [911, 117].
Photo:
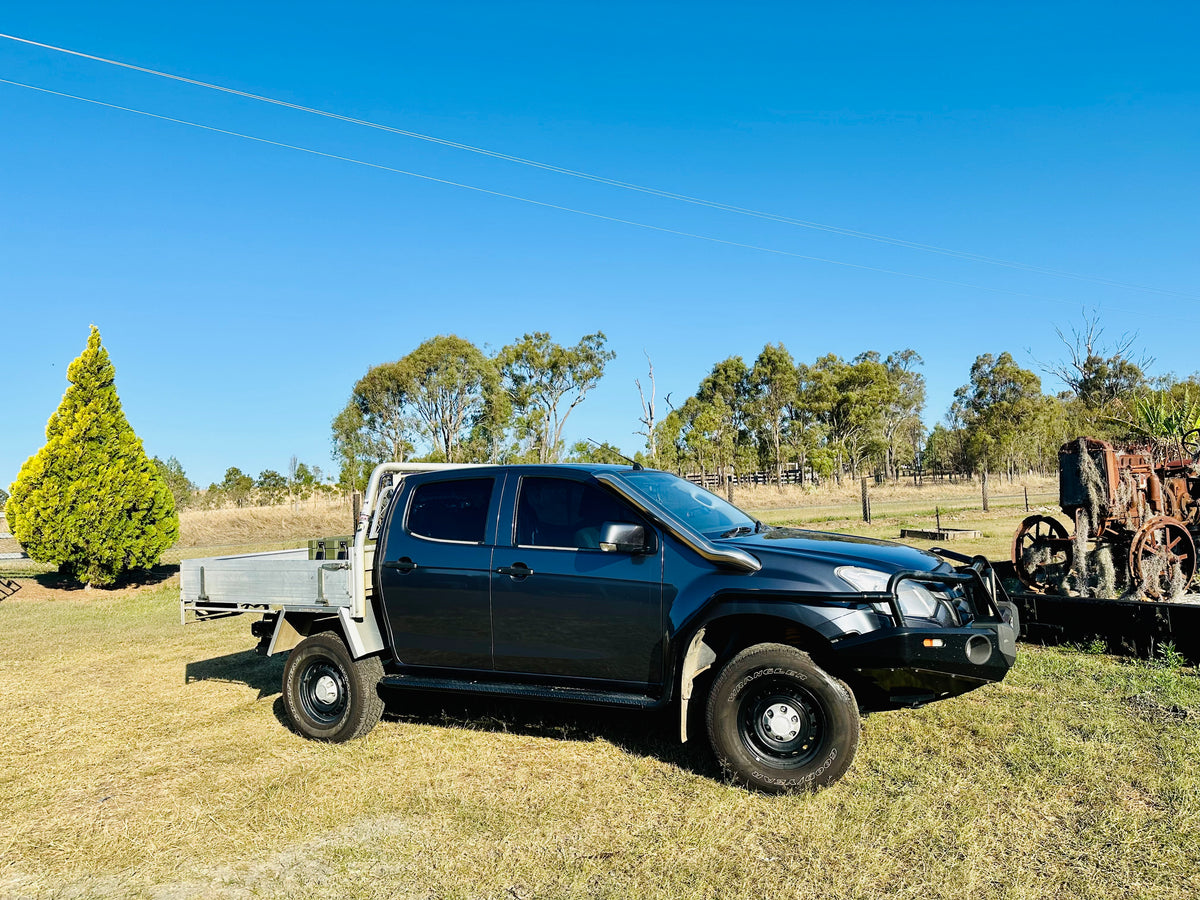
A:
[241, 288]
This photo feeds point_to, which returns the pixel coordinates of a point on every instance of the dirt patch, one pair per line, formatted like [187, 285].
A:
[1145, 706]
[53, 586]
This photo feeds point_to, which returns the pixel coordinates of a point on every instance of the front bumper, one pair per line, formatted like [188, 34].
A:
[911, 667]
[913, 663]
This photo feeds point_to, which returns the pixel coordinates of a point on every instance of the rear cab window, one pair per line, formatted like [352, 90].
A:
[453, 510]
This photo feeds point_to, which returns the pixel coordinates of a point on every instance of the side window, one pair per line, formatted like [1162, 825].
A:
[451, 510]
[557, 512]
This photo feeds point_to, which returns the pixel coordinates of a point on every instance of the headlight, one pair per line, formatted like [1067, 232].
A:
[915, 599]
[863, 579]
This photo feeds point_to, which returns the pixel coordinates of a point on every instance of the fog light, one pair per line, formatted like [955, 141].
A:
[979, 649]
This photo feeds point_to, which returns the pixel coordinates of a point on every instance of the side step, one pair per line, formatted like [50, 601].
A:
[523, 691]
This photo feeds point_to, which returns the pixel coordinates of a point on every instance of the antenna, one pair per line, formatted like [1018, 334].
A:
[637, 466]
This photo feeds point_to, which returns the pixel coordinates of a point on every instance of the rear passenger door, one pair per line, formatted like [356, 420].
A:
[561, 606]
[435, 575]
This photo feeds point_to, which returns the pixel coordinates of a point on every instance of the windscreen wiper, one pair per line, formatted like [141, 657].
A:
[741, 529]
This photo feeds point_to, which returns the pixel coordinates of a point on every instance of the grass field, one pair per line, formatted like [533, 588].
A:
[141, 758]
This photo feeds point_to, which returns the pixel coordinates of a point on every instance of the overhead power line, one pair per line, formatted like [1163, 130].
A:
[530, 200]
[625, 185]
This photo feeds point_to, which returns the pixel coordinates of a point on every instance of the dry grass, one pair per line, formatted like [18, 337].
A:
[149, 760]
[903, 493]
[317, 517]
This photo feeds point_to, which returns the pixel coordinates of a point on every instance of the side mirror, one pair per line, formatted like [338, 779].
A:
[622, 537]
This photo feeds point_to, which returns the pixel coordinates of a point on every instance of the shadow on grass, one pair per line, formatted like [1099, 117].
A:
[139, 578]
[264, 674]
[648, 734]
[652, 734]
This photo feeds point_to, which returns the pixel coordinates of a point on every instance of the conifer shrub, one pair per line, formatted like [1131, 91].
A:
[91, 501]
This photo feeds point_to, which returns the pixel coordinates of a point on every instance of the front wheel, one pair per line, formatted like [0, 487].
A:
[329, 695]
[778, 722]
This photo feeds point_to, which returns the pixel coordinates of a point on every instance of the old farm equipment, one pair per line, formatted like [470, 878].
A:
[1135, 525]
[1122, 576]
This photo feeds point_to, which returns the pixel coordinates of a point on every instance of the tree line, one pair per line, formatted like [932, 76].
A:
[450, 401]
[270, 488]
[1001, 421]
[827, 418]
[832, 417]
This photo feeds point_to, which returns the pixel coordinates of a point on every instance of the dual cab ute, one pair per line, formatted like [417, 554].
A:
[617, 586]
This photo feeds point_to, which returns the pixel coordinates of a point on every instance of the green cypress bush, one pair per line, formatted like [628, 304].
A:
[91, 501]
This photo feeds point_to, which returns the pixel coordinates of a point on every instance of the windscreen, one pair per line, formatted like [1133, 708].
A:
[702, 510]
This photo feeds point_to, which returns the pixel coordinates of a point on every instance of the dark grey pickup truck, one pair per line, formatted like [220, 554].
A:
[617, 586]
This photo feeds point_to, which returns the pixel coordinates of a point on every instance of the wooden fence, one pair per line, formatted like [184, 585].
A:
[793, 476]
[713, 479]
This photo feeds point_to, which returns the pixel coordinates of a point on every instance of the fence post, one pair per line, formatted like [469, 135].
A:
[356, 506]
[985, 490]
[866, 501]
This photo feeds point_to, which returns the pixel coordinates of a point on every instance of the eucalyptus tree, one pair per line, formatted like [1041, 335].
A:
[1098, 373]
[442, 391]
[356, 449]
[847, 400]
[377, 423]
[999, 409]
[803, 422]
[672, 451]
[725, 392]
[648, 419]
[447, 380]
[181, 487]
[901, 412]
[773, 385]
[545, 381]
[708, 434]
[271, 487]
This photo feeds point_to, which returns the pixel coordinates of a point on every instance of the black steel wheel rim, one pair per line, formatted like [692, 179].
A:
[782, 724]
[323, 692]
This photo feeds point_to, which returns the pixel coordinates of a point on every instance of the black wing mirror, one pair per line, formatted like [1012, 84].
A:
[622, 537]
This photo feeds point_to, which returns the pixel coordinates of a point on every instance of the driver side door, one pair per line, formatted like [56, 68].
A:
[561, 606]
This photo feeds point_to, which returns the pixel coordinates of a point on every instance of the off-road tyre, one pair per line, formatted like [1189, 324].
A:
[328, 695]
[778, 722]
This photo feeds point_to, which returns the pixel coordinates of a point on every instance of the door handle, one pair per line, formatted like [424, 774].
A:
[516, 570]
[404, 565]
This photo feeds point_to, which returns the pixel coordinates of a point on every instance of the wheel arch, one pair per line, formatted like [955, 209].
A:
[725, 632]
[362, 637]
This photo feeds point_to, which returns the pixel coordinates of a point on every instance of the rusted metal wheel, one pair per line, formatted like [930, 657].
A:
[1041, 552]
[1162, 557]
[1191, 443]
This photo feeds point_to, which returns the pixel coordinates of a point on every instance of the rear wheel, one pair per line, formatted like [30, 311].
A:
[778, 722]
[329, 695]
[1162, 558]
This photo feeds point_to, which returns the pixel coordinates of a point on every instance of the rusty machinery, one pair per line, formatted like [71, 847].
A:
[1144, 513]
